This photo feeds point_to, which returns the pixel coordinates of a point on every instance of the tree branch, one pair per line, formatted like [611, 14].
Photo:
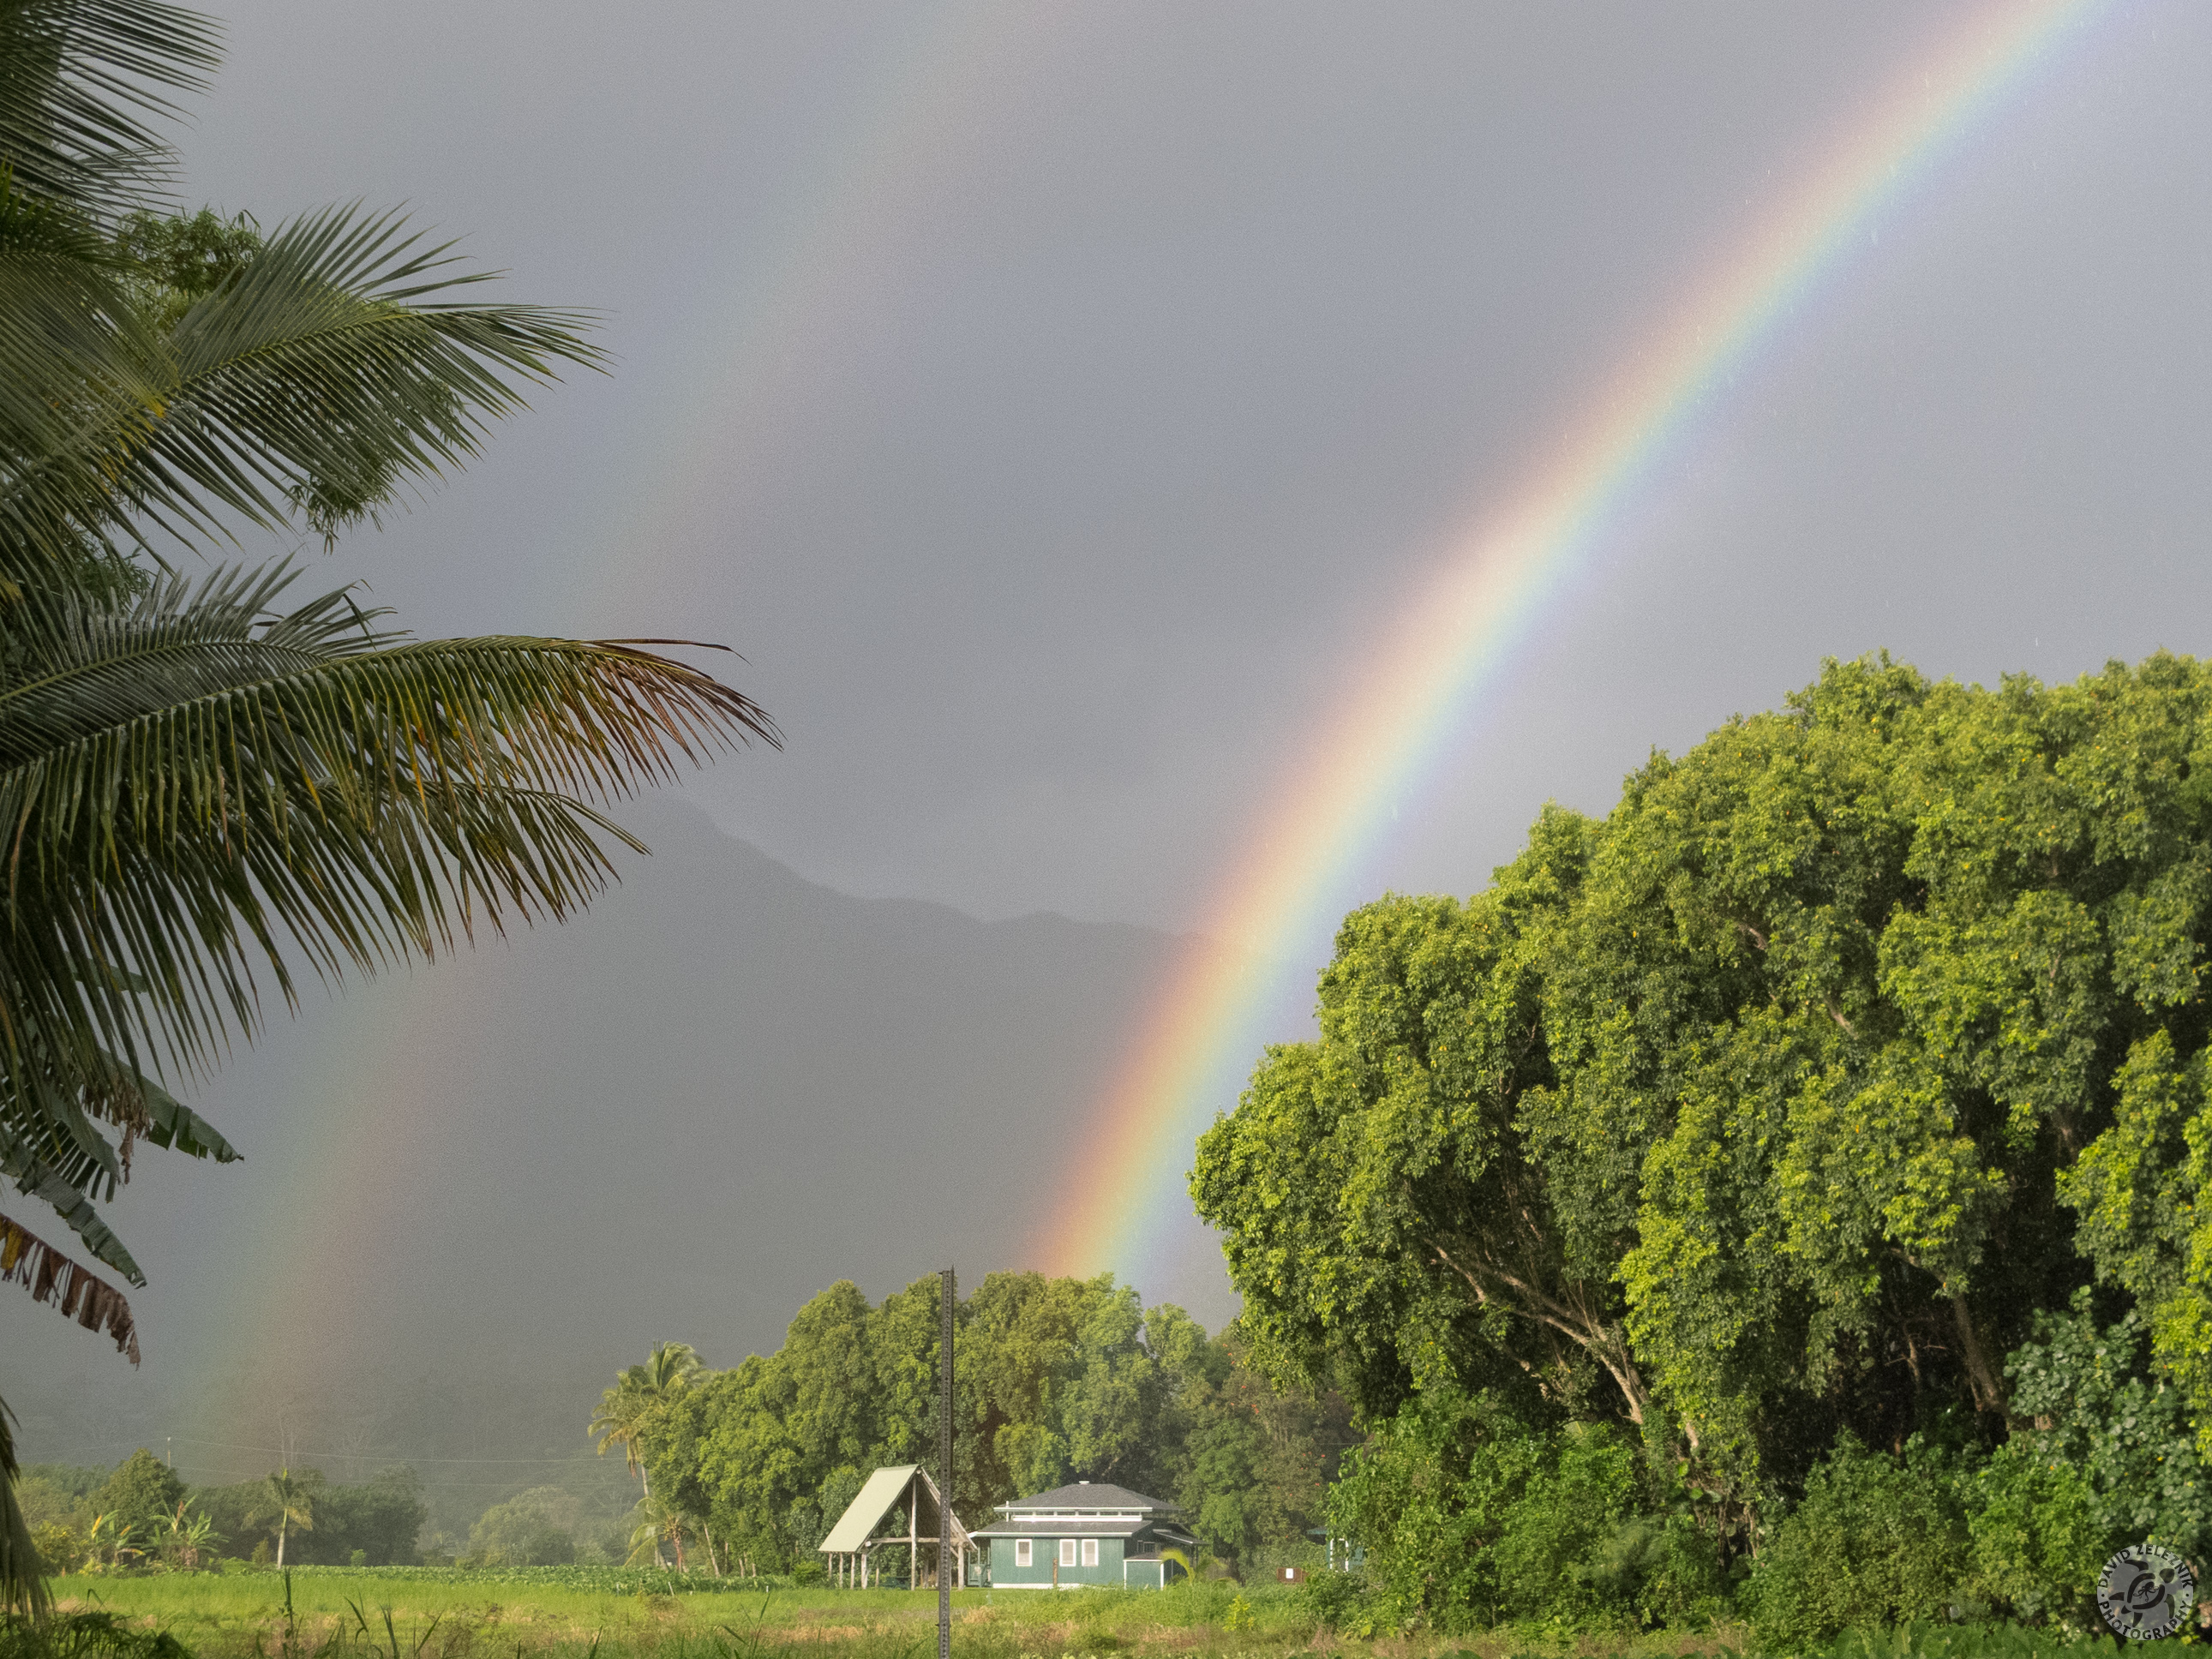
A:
[1595, 1338]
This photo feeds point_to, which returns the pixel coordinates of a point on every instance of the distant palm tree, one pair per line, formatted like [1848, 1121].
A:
[641, 1393]
[286, 1502]
[627, 1410]
[658, 1519]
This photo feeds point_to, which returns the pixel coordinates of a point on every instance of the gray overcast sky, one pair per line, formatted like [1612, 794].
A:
[1053, 401]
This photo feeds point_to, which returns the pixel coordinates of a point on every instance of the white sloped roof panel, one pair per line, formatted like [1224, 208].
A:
[857, 1524]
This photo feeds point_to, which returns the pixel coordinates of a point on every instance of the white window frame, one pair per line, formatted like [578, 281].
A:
[1067, 1552]
[1022, 1553]
[1089, 1552]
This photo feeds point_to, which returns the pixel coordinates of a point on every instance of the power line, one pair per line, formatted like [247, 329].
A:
[354, 1456]
[201, 1471]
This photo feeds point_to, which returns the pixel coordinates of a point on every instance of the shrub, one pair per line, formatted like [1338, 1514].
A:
[59, 1548]
[2122, 1428]
[807, 1572]
[2037, 1544]
[1876, 1540]
[1332, 1599]
[1472, 1517]
[1666, 1568]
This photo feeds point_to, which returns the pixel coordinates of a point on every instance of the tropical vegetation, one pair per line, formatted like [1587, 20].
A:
[1056, 1380]
[214, 784]
[1802, 1161]
[141, 1516]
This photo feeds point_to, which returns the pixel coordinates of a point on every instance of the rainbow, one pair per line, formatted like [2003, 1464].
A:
[1458, 631]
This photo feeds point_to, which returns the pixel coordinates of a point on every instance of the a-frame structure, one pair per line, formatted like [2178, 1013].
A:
[898, 1506]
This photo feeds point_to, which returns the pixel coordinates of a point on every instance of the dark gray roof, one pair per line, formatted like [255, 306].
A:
[1089, 1495]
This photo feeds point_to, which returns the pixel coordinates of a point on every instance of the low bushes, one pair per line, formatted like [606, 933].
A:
[1471, 1518]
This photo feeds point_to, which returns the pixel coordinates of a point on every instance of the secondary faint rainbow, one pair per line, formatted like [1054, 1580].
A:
[1457, 633]
[313, 1207]
[822, 255]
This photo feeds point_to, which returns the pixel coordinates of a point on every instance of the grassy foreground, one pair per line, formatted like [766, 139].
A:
[412, 1612]
[341, 1613]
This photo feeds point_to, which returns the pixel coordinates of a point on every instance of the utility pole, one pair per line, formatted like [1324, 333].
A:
[946, 1293]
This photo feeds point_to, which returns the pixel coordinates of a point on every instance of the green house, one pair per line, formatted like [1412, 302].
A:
[1086, 1534]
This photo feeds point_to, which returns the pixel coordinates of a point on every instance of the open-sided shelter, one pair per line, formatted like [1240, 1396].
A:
[1087, 1533]
[896, 1506]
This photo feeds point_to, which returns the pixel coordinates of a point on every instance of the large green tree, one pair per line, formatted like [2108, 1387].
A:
[1780, 1101]
[141, 1489]
[210, 785]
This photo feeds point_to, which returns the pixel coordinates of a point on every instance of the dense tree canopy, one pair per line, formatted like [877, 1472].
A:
[1058, 1379]
[1790, 1099]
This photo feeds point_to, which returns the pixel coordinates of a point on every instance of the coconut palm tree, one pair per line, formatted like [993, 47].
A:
[627, 1410]
[286, 1502]
[658, 1519]
[639, 1395]
[210, 784]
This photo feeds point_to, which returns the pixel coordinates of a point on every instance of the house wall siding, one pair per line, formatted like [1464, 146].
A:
[1040, 1573]
[1045, 1552]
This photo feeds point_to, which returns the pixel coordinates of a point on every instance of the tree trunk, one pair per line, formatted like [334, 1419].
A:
[644, 1481]
[1989, 1392]
[281, 1521]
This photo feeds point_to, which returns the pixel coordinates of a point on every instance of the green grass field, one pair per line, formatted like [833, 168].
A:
[339, 1612]
[562, 1612]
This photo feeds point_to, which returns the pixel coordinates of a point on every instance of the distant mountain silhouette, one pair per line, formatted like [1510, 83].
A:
[675, 1117]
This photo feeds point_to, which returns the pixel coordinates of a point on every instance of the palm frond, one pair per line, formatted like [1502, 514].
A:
[52, 1151]
[203, 794]
[324, 376]
[80, 80]
[73, 350]
[190, 784]
[174, 1125]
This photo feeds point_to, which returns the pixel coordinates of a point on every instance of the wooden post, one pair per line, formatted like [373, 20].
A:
[947, 1292]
